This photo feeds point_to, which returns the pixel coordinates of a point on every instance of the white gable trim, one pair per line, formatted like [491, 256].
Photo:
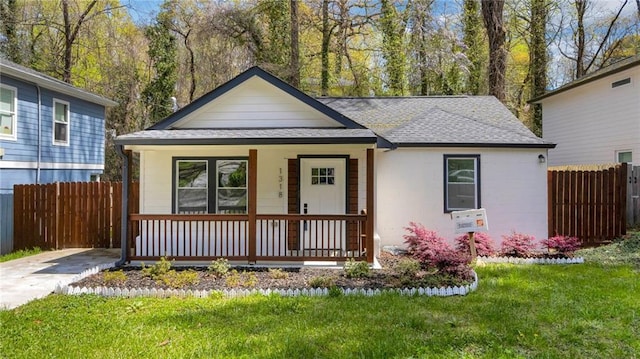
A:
[256, 103]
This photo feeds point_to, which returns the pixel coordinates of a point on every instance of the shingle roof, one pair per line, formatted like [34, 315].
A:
[432, 121]
[12, 69]
[249, 136]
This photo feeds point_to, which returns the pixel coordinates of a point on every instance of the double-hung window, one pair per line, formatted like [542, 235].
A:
[8, 115]
[461, 182]
[60, 122]
[624, 156]
[210, 185]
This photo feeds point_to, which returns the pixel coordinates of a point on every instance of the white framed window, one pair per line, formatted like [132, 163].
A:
[210, 185]
[624, 156]
[192, 183]
[61, 122]
[231, 190]
[8, 112]
[461, 182]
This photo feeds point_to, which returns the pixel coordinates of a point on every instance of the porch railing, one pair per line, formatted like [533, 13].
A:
[274, 237]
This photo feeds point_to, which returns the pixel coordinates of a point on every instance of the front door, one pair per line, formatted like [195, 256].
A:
[323, 191]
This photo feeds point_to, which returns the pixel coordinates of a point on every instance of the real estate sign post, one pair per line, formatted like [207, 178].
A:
[470, 221]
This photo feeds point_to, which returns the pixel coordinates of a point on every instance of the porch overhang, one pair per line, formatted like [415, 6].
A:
[274, 136]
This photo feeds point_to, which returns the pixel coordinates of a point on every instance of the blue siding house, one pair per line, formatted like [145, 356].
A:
[50, 131]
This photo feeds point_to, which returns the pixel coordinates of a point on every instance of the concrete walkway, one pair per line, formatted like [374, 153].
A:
[25, 279]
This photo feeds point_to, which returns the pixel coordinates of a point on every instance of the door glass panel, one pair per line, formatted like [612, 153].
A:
[323, 176]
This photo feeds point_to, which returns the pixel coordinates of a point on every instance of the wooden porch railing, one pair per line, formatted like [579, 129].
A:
[274, 237]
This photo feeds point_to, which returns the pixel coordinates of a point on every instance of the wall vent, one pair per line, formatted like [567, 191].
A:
[621, 82]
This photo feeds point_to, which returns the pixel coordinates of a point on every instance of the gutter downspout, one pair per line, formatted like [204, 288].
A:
[39, 134]
[125, 205]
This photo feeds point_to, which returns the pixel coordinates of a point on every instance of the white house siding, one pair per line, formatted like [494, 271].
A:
[256, 104]
[156, 171]
[410, 188]
[591, 122]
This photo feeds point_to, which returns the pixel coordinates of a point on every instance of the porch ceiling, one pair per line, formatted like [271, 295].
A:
[249, 136]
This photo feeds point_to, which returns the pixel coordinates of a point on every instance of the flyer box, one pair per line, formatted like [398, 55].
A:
[473, 220]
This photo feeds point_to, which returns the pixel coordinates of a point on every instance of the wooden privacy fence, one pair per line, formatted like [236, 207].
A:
[588, 202]
[69, 215]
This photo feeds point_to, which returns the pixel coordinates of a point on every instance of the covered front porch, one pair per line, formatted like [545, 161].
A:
[260, 231]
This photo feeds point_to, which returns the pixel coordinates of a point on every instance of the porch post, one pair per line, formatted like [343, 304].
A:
[124, 220]
[252, 206]
[370, 204]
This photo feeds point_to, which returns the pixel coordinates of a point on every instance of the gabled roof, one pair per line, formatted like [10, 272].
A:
[26, 74]
[449, 121]
[593, 76]
[452, 121]
[233, 83]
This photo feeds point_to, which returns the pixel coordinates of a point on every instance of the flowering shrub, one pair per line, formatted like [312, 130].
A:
[425, 245]
[484, 244]
[517, 245]
[562, 244]
[432, 251]
[452, 263]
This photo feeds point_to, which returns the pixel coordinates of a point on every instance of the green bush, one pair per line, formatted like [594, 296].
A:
[180, 279]
[158, 269]
[278, 273]
[407, 267]
[322, 282]
[236, 279]
[220, 267]
[356, 269]
[114, 277]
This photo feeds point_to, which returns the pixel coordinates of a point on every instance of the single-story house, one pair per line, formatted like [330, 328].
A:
[256, 171]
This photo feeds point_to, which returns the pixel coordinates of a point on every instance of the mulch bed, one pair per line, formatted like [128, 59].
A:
[297, 278]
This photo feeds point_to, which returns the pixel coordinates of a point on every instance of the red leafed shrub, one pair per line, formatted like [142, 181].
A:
[517, 245]
[455, 264]
[562, 244]
[484, 244]
[424, 244]
[432, 251]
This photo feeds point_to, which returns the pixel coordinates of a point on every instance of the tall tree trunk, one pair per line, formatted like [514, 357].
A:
[324, 52]
[581, 7]
[70, 35]
[538, 58]
[294, 61]
[473, 39]
[494, 23]
[392, 51]
[8, 13]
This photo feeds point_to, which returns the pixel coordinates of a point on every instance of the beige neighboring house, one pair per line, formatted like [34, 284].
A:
[595, 119]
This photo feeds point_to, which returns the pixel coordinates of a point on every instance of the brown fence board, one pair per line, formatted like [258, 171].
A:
[588, 204]
[66, 215]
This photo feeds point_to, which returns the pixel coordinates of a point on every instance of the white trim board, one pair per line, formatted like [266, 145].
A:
[50, 165]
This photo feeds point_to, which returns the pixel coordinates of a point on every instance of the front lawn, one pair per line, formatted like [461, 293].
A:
[570, 311]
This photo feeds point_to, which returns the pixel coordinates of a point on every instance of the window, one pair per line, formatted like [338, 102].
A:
[322, 176]
[60, 122]
[8, 115]
[624, 156]
[461, 182]
[210, 185]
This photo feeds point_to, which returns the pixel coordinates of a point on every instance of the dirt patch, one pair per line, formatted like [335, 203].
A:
[286, 278]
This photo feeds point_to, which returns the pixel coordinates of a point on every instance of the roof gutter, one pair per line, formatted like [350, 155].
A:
[482, 145]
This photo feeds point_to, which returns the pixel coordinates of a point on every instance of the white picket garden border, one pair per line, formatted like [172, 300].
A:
[516, 260]
[66, 288]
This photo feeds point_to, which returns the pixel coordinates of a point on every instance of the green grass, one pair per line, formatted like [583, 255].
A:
[20, 254]
[625, 252]
[570, 311]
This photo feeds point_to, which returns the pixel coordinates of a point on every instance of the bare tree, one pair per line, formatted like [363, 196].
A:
[494, 23]
[294, 59]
